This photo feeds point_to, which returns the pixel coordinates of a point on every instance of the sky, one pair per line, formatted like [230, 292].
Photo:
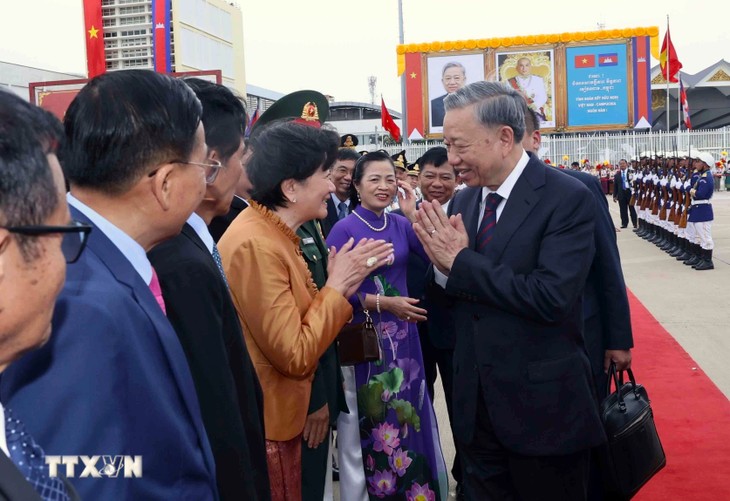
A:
[333, 46]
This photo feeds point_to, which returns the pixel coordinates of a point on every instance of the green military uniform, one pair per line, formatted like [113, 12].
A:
[327, 384]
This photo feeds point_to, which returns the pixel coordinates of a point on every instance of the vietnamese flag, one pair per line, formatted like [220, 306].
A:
[585, 61]
[387, 121]
[94, 36]
[668, 59]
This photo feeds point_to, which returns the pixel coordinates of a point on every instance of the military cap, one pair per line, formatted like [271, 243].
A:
[399, 160]
[414, 170]
[304, 106]
[349, 141]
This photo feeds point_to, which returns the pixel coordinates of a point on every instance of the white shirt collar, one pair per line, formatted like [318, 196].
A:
[506, 187]
[337, 201]
[3, 440]
[197, 223]
[134, 252]
[445, 206]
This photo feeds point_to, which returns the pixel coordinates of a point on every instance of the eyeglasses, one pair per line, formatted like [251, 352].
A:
[74, 240]
[211, 169]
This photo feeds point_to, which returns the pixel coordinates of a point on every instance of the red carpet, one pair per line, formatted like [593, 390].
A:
[692, 416]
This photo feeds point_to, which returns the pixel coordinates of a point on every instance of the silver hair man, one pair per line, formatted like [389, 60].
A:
[496, 104]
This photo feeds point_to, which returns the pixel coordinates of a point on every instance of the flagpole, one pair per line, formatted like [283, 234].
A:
[404, 119]
[666, 69]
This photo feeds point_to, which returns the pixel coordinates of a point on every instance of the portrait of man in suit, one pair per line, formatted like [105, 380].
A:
[446, 75]
[531, 74]
[512, 263]
[113, 378]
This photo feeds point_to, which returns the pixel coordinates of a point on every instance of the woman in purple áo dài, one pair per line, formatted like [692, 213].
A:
[388, 443]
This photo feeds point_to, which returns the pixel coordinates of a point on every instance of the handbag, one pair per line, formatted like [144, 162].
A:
[634, 453]
[358, 343]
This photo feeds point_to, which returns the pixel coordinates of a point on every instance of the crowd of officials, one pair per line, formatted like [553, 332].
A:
[172, 293]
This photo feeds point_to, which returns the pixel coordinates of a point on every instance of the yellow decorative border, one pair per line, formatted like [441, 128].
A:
[493, 43]
[527, 40]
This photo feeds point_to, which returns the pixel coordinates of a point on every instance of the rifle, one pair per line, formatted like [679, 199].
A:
[687, 203]
[632, 200]
[655, 201]
[665, 197]
[675, 198]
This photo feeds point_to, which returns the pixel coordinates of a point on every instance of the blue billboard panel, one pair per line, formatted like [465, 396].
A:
[597, 85]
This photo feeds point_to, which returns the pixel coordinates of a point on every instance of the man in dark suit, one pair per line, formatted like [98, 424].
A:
[513, 263]
[340, 203]
[200, 309]
[239, 203]
[33, 260]
[113, 379]
[453, 78]
[622, 194]
[606, 315]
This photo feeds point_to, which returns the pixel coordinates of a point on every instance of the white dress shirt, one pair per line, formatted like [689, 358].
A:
[197, 223]
[3, 440]
[134, 252]
[504, 190]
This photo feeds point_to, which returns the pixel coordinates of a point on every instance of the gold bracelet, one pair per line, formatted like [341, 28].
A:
[377, 302]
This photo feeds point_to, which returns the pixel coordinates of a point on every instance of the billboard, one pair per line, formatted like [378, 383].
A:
[598, 80]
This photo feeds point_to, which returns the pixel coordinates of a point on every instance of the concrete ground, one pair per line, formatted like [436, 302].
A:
[691, 305]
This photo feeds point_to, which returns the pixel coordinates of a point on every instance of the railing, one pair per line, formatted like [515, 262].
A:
[608, 146]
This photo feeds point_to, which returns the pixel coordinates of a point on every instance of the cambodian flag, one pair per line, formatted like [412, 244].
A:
[161, 36]
[608, 59]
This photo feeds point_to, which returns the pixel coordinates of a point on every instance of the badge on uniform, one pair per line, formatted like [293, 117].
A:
[308, 240]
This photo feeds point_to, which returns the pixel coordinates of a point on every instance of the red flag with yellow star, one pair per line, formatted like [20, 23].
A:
[95, 59]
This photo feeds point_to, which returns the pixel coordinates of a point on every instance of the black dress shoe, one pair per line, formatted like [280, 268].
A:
[624, 226]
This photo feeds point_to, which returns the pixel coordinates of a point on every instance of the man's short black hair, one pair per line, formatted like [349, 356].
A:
[224, 116]
[436, 156]
[27, 192]
[287, 150]
[348, 154]
[575, 164]
[532, 121]
[123, 123]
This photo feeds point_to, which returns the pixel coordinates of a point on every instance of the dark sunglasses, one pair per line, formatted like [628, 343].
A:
[74, 240]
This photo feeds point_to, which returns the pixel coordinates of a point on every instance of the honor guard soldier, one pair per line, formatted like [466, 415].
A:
[700, 213]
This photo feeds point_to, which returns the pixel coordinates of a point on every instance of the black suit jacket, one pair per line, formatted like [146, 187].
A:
[332, 217]
[219, 225]
[14, 486]
[621, 193]
[200, 308]
[437, 111]
[606, 312]
[518, 317]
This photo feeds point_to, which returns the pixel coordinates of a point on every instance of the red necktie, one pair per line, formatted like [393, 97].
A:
[489, 221]
[157, 291]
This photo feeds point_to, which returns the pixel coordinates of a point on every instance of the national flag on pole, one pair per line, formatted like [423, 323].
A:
[387, 121]
[252, 121]
[161, 36]
[685, 106]
[94, 36]
[585, 61]
[668, 59]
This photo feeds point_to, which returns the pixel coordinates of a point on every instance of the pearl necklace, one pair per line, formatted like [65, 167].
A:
[385, 221]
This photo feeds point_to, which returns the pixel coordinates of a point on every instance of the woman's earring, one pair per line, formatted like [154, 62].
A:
[358, 197]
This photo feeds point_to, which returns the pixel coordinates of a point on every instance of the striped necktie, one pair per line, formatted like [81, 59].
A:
[219, 263]
[342, 214]
[489, 221]
[30, 459]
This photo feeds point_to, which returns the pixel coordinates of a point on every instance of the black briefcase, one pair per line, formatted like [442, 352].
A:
[634, 453]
